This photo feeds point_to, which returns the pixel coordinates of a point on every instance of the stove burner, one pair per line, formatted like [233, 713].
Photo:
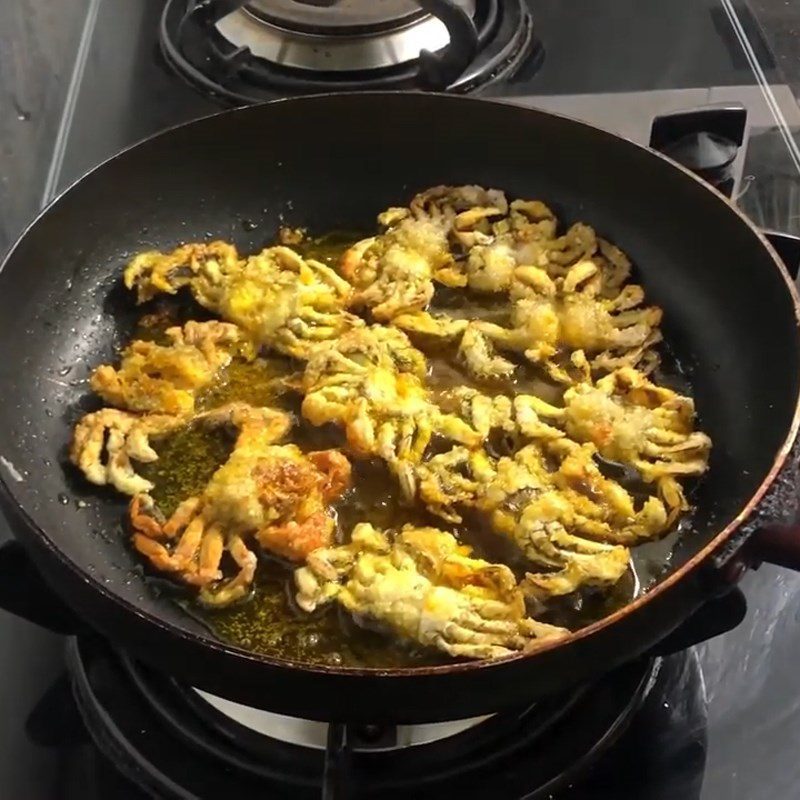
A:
[247, 52]
[172, 741]
[330, 46]
[337, 16]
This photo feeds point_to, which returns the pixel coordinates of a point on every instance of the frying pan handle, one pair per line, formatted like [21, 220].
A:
[777, 544]
[24, 593]
[438, 71]
[787, 246]
[714, 617]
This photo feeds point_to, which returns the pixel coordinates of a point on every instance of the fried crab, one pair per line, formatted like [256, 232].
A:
[552, 500]
[106, 442]
[166, 378]
[566, 326]
[370, 382]
[393, 273]
[279, 299]
[424, 586]
[534, 472]
[518, 417]
[633, 421]
[466, 236]
[432, 328]
[628, 418]
[491, 243]
[273, 494]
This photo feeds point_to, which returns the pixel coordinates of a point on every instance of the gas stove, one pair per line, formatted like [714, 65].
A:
[715, 720]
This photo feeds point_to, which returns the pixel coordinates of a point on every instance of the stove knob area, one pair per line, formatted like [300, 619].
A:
[707, 141]
[704, 140]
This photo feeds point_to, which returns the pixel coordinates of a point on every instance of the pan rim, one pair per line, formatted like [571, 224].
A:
[717, 541]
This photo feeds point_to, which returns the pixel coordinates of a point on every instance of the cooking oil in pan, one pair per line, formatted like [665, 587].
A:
[269, 623]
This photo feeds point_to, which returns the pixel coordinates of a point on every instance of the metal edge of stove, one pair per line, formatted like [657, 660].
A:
[313, 734]
[52, 181]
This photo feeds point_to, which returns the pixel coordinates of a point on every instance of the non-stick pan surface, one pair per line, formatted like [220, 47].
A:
[332, 162]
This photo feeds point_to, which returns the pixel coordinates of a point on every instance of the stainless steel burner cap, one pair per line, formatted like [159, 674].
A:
[378, 34]
[337, 16]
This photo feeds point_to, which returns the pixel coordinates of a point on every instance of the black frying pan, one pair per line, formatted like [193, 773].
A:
[331, 162]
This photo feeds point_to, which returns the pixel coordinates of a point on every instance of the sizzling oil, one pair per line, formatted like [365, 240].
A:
[186, 461]
[261, 382]
[329, 247]
[269, 623]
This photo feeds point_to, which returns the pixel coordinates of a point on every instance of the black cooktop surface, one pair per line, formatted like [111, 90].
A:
[723, 718]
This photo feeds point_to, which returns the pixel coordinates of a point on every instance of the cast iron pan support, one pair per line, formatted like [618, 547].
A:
[437, 71]
[336, 772]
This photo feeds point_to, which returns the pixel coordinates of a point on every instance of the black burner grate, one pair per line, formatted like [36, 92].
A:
[197, 52]
[163, 738]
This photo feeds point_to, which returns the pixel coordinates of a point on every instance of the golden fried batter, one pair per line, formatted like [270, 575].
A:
[567, 327]
[424, 586]
[279, 299]
[370, 383]
[272, 493]
[166, 378]
[372, 333]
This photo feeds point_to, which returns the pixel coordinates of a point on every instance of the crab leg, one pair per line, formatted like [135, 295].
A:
[238, 586]
[184, 513]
